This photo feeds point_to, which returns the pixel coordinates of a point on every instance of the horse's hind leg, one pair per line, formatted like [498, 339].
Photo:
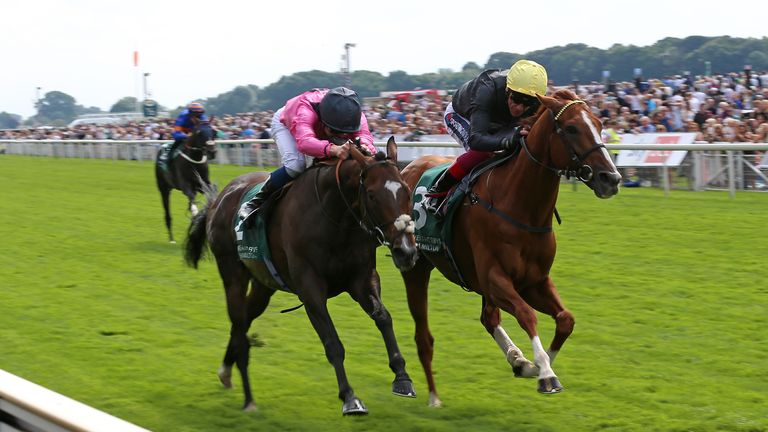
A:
[165, 194]
[546, 300]
[416, 285]
[242, 310]
[491, 319]
[370, 300]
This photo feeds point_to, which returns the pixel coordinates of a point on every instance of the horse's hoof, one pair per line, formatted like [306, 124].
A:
[250, 407]
[434, 401]
[525, 369]
[550, 385]
[403, 388]
[354, 407]
[225, 376]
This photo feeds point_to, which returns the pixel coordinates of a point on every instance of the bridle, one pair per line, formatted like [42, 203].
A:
[584, 172]
[365, 220]
[208, 143]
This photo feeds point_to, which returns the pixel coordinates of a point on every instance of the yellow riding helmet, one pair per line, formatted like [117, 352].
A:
[527, 77]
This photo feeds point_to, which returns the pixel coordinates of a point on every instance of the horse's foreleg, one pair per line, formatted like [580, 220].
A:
[416, 285]
[190, 193]
[502, 292]
[491, 319]
[547, 301]
[317, 311]
[370, 300]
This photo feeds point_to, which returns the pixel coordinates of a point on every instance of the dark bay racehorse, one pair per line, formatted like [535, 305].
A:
[323, 235]
[189, 171]
[503, 243]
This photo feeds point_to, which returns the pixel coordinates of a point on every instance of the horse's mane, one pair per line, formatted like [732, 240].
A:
[562, 94]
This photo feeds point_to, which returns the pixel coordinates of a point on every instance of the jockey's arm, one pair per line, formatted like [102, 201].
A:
[480, 138]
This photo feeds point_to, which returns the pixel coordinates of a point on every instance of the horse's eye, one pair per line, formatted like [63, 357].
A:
[371, 196]
[570, 129]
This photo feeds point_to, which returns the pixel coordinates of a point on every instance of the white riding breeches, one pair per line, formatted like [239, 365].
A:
[294, 161]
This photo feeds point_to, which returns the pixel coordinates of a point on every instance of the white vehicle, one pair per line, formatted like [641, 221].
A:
[107, 118]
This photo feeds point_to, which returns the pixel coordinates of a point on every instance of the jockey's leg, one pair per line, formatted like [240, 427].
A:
[277, 179]
[294, 163]
[460, 167]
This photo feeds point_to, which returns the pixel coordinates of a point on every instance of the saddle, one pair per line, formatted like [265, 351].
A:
[252, 242]
[165, 157]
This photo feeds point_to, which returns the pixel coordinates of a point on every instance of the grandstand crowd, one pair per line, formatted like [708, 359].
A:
[720, 108]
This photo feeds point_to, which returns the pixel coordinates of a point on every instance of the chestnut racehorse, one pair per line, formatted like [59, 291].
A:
[502, 239]
[322, 236]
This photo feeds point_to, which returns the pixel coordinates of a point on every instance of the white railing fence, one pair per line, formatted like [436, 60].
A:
[731, 166]
[26, 406]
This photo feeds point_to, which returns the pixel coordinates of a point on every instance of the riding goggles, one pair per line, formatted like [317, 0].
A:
[523, 99]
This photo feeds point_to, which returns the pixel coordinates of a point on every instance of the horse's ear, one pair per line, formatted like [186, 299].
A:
[392, 149]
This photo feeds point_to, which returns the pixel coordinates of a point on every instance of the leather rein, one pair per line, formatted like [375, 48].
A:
[364, 220]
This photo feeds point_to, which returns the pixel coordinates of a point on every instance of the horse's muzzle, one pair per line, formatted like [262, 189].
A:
[404, 252]
[605, 184]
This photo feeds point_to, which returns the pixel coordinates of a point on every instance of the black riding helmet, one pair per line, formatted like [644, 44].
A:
[340, 110]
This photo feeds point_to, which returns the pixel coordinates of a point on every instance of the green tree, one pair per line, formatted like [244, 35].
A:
[126, 104]
[9, 121]
[56, 105]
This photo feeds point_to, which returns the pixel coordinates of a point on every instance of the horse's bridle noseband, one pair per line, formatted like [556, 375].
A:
[584, 172]
[366, 220]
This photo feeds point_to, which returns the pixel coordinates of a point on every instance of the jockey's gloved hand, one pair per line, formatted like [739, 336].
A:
[510, 142]
[336, 140]
[363, 149]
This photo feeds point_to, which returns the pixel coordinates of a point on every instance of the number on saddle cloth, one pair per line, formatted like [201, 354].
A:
[431, 231]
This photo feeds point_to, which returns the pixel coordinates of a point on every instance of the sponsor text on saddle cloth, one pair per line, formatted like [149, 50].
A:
[252, 242]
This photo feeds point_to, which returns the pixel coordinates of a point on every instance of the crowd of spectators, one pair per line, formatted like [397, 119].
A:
[720, 108]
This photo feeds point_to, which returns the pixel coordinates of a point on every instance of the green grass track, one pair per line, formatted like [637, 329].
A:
[669, 292]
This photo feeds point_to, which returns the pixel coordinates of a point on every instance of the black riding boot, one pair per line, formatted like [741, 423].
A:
[439, 191]
[274, 183]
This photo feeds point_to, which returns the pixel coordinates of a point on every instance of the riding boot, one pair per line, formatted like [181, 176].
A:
[274, 183]
[439, 191]
[169, 153]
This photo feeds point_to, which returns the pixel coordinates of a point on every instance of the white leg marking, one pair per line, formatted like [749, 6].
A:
[193, 209]
[514, 355]
[434, 401]
[541, 359]
[393, 187]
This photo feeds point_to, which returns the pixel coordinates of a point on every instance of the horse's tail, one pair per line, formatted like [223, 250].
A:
[196, 242]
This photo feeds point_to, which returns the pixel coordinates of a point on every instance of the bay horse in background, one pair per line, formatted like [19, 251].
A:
[503, 244]
[189, 171]
[322, 236]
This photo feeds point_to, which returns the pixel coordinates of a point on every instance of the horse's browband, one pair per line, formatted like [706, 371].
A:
[559, 113]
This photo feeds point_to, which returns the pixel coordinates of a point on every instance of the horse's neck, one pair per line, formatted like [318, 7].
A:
[524, 188]
[339, 198]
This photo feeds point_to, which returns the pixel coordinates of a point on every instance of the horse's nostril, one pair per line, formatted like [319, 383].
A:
[609, 177]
